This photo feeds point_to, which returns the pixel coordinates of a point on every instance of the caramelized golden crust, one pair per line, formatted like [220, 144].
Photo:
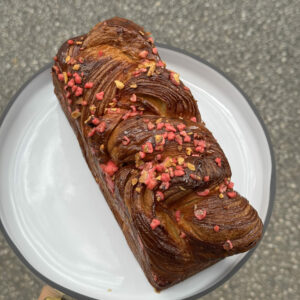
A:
[160, 169]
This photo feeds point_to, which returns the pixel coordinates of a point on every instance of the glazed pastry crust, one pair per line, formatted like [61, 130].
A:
[161, 171]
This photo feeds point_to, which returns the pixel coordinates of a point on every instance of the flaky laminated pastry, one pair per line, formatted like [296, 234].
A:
[162, 172]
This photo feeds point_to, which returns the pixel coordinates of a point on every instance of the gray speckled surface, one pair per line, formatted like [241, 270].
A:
[256, 43]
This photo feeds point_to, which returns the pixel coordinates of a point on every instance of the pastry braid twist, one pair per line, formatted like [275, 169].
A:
[161, 170]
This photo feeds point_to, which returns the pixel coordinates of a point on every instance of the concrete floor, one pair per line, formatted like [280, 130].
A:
[256, 43]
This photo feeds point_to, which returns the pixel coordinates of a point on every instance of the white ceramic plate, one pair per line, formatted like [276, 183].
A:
[55, 217]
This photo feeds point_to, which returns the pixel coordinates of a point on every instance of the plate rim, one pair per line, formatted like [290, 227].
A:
[236, 268]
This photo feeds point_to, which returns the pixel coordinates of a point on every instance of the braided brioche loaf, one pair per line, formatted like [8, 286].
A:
[162, 172]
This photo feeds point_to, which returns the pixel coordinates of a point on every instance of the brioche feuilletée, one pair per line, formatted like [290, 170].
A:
[163, 174]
